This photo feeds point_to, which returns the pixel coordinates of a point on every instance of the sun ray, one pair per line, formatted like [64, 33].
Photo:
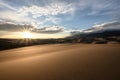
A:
[27, 34]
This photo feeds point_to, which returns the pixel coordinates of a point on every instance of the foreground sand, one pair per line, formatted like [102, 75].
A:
[61, 62]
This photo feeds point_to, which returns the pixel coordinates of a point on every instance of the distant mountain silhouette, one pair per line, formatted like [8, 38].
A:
[97, 37]
[101, 33]
[106, 35]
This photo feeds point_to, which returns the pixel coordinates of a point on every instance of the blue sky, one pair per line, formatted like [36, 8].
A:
[59, 14]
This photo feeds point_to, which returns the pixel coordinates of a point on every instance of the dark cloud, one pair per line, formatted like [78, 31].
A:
[49, 30]
[114, 25]
[104, 26]
[14, 27]
[18, 28]
[75, 32]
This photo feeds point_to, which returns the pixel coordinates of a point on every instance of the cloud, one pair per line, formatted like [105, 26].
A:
[52, 9]
[104, 26]
[12, 16]
[114, 25]
[33, 14]
[109, 25]
[3, 4]
[102, 4]
[52, 19]
[48, 13]
[99, 7]
[20, 28]
[49, 30]
[75, 32]
[14, 28]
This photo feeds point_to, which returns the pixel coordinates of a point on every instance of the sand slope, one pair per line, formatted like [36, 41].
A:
[61, 62]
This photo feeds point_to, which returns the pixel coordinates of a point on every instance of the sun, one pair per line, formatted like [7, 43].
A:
[27, 34]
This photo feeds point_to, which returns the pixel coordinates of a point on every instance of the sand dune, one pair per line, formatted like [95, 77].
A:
[61, 62]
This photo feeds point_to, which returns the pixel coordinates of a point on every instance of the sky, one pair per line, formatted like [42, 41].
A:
[56, 18]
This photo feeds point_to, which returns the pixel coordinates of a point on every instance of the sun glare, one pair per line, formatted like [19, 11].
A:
[27, 34]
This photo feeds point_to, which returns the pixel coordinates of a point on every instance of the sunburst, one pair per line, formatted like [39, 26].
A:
[27, 34]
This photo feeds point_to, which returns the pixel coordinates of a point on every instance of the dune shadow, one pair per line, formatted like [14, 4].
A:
[32, 51]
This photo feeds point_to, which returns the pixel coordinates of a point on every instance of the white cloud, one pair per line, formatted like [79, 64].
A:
[3, 4]
[30, 14]
[11, 16]
[52, 9]
[52, 19]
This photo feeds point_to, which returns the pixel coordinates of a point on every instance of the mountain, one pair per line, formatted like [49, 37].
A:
[102, 36]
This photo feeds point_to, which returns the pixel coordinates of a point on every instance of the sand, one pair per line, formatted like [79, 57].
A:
[61, 62]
